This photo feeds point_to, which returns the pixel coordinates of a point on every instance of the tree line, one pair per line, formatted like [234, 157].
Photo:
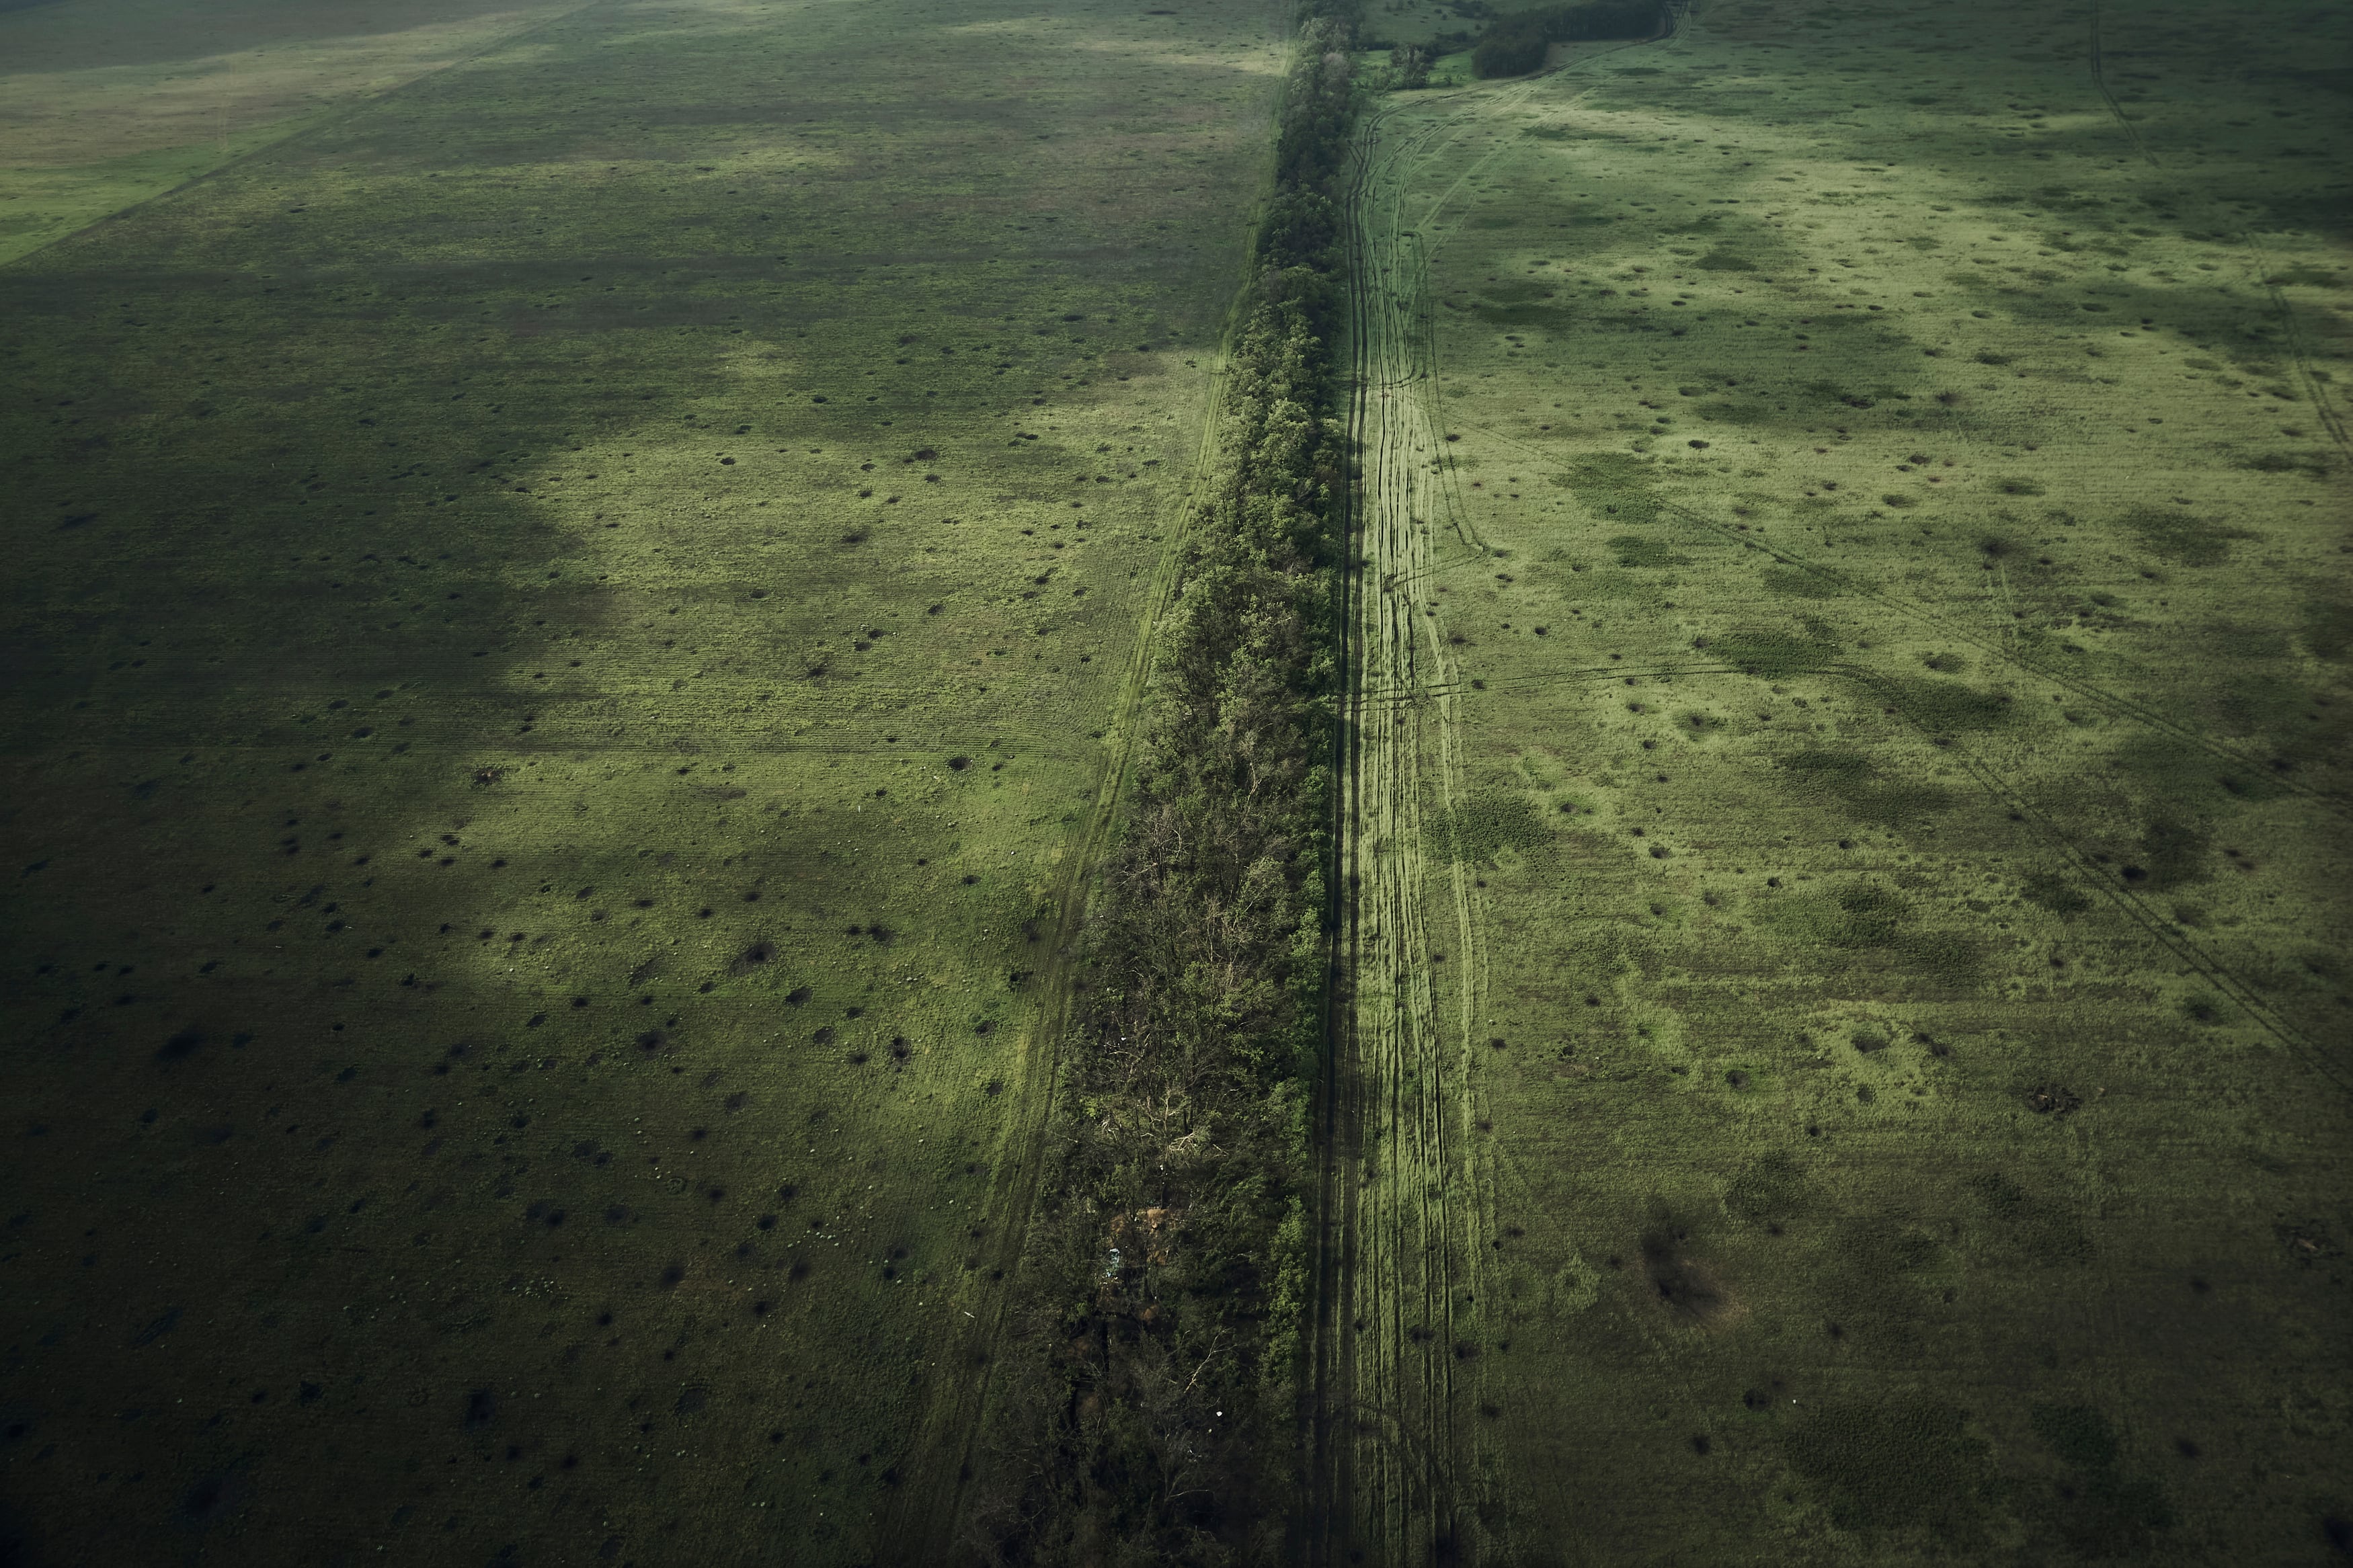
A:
[1150, 1408]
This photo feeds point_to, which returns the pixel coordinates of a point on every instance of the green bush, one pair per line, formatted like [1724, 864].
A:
[1476, 830]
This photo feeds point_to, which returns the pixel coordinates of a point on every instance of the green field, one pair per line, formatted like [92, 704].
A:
[586, 785]
[1847, 1053]
[568, 628]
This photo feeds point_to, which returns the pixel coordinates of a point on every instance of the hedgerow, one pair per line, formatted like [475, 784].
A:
[1150, 1411]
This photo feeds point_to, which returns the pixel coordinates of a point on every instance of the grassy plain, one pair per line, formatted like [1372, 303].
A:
[1848, 997]
[567, 633]
[103, 107]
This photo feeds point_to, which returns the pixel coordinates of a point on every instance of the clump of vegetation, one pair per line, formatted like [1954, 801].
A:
[2312, 465]
[1868, 917]
[1855, 784]
[1515, 44]
[1773, 654]
[1942, 707]
[1771, 1192]
[2100, 1512]
[1484, 826]
[1801, 583]
[2041, 1232]
[1633, 549]
[1168, 1280]
[2328, 629]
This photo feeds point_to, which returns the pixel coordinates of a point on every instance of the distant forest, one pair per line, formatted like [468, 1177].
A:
[1515, 43]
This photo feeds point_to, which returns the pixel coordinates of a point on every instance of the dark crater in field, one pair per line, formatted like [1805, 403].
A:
[2053, 1099]
[212, 1498]
[1678, 1280]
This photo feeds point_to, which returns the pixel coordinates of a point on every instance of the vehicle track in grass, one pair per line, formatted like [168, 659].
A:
[1390, 1402]
[1396, 1469]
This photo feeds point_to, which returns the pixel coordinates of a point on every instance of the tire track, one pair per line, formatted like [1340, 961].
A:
[1387, 1462]
[1406, 1201]
[2100, 80]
